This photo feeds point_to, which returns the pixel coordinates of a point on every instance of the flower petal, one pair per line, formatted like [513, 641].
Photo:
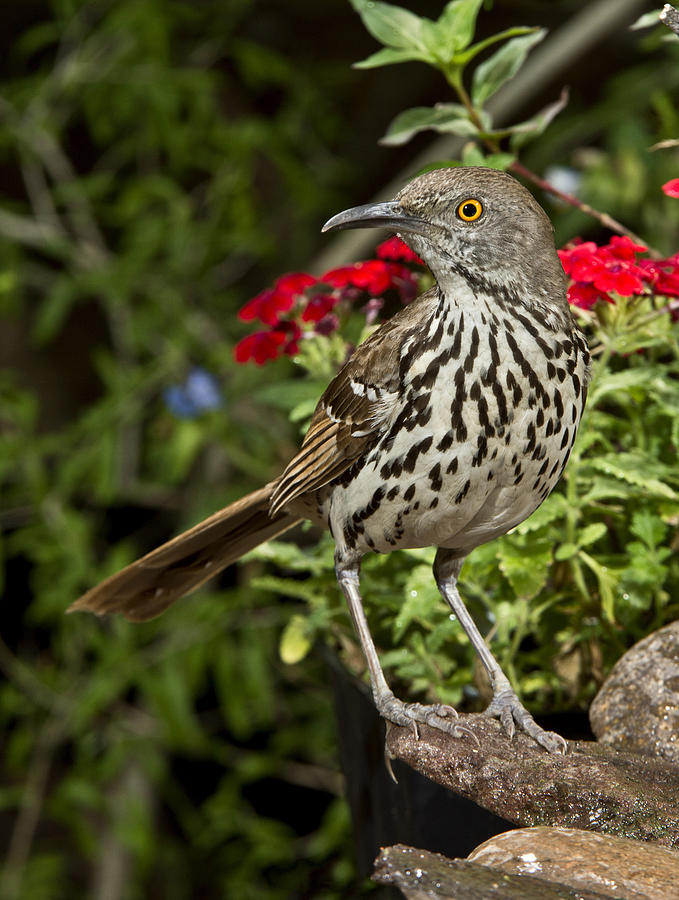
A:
[671, 188]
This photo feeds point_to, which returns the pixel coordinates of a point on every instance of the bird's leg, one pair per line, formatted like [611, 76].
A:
[505, 704]
[390, 707]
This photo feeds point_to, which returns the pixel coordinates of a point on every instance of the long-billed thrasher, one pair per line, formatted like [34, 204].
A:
[447, 427]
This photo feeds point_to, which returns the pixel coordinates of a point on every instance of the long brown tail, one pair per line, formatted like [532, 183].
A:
[148, 586]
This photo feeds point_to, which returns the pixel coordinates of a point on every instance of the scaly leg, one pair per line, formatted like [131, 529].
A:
[390, 707]
[505, 704]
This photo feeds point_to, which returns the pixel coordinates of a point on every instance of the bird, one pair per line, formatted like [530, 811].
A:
[447, 427]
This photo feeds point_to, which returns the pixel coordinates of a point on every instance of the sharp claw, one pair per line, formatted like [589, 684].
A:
[553, 742]
[462, 730]
[507, 707]
[388, 765]
[411, 715]
[507, 720]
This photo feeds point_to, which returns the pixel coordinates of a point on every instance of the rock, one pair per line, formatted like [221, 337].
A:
[593, 787]
[616, 866]
[637, 709]
[422, 875]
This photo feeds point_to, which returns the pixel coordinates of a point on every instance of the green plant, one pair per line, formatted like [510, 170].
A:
[138, 165]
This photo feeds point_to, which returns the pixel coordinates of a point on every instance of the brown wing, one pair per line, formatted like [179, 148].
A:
[356, 408]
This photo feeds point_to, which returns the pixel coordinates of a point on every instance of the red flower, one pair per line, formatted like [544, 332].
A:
[624, 247]
[294, 283]
[576, 253]
[662, 275]
[585, 296]
[318, 307]
[397, 251]
[612, 267]
[620, 280]
[260, 346]
[268, 305]
[373, 276]
[264, 345]
[298, 300]
[671, 188]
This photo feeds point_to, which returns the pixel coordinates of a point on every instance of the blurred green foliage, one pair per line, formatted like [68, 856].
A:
[145, 198]
[138, 178]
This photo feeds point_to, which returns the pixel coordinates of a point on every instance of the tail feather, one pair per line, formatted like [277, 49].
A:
[146, 588]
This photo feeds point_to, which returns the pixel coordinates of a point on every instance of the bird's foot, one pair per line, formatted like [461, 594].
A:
[507, 707]
[437, 715]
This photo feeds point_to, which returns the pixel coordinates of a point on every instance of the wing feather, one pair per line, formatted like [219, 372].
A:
[357, 407]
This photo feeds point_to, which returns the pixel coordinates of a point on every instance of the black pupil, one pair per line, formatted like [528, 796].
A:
[469, 210]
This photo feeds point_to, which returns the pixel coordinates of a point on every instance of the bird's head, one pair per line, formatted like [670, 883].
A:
[475, 224]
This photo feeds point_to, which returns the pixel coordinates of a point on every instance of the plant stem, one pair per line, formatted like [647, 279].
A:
[30, 807]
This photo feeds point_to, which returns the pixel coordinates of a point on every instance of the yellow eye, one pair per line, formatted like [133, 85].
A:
[469, 210]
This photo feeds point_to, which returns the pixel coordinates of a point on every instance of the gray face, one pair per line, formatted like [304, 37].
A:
[485, 221]
[474, 225]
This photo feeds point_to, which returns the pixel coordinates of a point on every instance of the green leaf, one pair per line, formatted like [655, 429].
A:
[421, 598]
[388, 56]
[286, 395]
[553, 508]
[531, 128]
[392, 26]
[296, 640]
[168, 692]
[605, 489]
[632, 381]
[303, 411]
[53, 311]
[290, 556]
[565, 551]
[456, 24]
[649, 527]
[646, 20]
[607, 583]
[286, 587]
[464, 56]
[445, 117]
[472, 155]
[243, 679]
[591, 533]
[637, 470]
[525, 567]
[501, 161]
[181, 451]
[502, 65]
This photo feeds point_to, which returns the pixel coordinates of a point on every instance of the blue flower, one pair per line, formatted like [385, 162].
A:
[200, 393]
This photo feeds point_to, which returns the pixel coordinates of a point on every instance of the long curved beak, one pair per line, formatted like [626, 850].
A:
[377, 215]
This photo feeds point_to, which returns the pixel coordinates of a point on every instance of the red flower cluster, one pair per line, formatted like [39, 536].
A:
[596, 272]
[299, 305]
